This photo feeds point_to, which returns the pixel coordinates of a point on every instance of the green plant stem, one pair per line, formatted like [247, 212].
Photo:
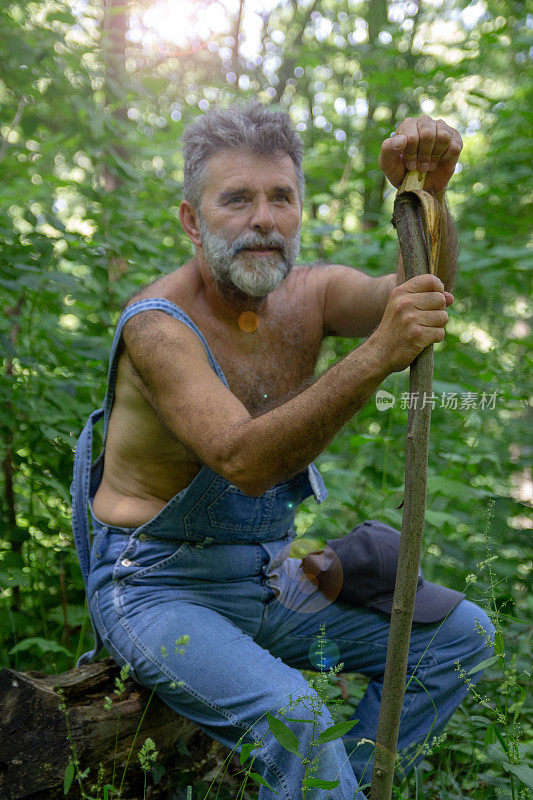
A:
[134, 738]
[116, 745]
[386, 440]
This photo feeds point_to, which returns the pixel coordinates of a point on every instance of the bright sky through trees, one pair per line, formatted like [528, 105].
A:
[182, 22]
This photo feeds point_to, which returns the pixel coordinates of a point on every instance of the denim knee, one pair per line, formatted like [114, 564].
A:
[474, 633]
[304, 713]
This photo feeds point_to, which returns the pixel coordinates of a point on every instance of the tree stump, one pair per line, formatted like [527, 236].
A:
[34, 746]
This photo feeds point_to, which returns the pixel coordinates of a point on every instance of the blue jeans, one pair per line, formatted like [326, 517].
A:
[250, 631]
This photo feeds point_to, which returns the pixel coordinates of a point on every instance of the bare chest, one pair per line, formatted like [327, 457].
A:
[263, 367]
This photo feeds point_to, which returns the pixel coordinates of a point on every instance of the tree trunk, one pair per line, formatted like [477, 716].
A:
[374, 179]
[114, 55]
[408, 224]
[34, 746]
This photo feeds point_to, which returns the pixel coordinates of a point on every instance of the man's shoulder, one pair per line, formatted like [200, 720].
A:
[312, 278]
[308, 275]
[175, 286]
[316, 271]
[153, 327]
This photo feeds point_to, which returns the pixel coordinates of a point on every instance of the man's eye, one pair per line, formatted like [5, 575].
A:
[238, 199]
[283, 197]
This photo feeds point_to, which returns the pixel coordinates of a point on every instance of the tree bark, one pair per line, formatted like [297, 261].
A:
[408, 224]
[34, 746]
[236, 36]
[374, 179]
[286, 70]
[114, 56]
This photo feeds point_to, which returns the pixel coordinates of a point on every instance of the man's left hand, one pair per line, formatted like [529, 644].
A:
[424, 144]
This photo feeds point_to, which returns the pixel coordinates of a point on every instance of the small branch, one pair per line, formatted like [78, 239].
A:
[7, 462]
[236, 35]
[64, 599]
[16, 120]
[287, 69]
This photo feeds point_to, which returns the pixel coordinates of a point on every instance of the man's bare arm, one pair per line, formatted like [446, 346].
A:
[255, 453]
[354, 302]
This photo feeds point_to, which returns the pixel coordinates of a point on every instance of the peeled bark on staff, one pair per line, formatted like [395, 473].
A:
[408, 223]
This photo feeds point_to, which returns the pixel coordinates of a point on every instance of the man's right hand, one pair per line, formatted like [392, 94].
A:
[415, 317]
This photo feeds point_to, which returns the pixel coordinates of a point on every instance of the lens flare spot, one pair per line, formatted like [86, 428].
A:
[307, 583]
[306, 575]
[324, 654]
[248, 321]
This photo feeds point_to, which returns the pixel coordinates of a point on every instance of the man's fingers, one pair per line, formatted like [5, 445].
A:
[420, 133]
[427, 132]
[391, 148]
[451, 152]
[429, 143]
[443, 137]
[434, 319]
[430, 300]
[398, 142]
[423, 283]
[424, 144]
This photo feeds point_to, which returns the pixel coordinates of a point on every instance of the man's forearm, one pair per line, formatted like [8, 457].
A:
[448, 251]
[282, 442]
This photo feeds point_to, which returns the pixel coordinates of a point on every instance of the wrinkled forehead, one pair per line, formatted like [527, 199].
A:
[236, 169]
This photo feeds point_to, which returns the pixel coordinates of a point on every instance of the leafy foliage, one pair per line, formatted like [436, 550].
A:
[91, 173]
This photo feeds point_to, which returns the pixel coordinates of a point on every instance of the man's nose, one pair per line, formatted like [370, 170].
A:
[262, 219]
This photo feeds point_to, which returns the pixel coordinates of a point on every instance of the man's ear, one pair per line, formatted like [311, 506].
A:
[190, 223]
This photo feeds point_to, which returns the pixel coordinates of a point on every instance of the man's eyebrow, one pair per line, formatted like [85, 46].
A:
[285, 190]
[227, 194]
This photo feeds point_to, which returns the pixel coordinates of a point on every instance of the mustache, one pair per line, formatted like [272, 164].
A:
[251, 241]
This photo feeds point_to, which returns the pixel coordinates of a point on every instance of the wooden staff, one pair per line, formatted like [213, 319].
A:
[416, 218]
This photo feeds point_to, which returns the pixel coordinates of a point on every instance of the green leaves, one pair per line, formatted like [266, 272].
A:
[283, 734]
[246, 749]
[69, 777]
[320, 783]
[521, 771]
[41, 645]
[261, 781]
[488, 662]
[59, 227]
[336, 731]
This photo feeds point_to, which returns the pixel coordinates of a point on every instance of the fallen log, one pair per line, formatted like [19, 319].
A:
[34, 743]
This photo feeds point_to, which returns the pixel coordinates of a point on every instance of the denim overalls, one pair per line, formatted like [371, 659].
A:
[206, 605]
[210, 509]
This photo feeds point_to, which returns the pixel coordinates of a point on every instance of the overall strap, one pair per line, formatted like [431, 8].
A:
[152, 304]
[80, 487]
[80, 493]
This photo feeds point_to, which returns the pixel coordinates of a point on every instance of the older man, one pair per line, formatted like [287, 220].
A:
[212, 419]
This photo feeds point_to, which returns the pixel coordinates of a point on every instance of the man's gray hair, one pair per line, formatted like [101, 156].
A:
[253, 127]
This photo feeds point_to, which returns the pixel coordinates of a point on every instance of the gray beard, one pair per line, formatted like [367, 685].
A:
[236, 269]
